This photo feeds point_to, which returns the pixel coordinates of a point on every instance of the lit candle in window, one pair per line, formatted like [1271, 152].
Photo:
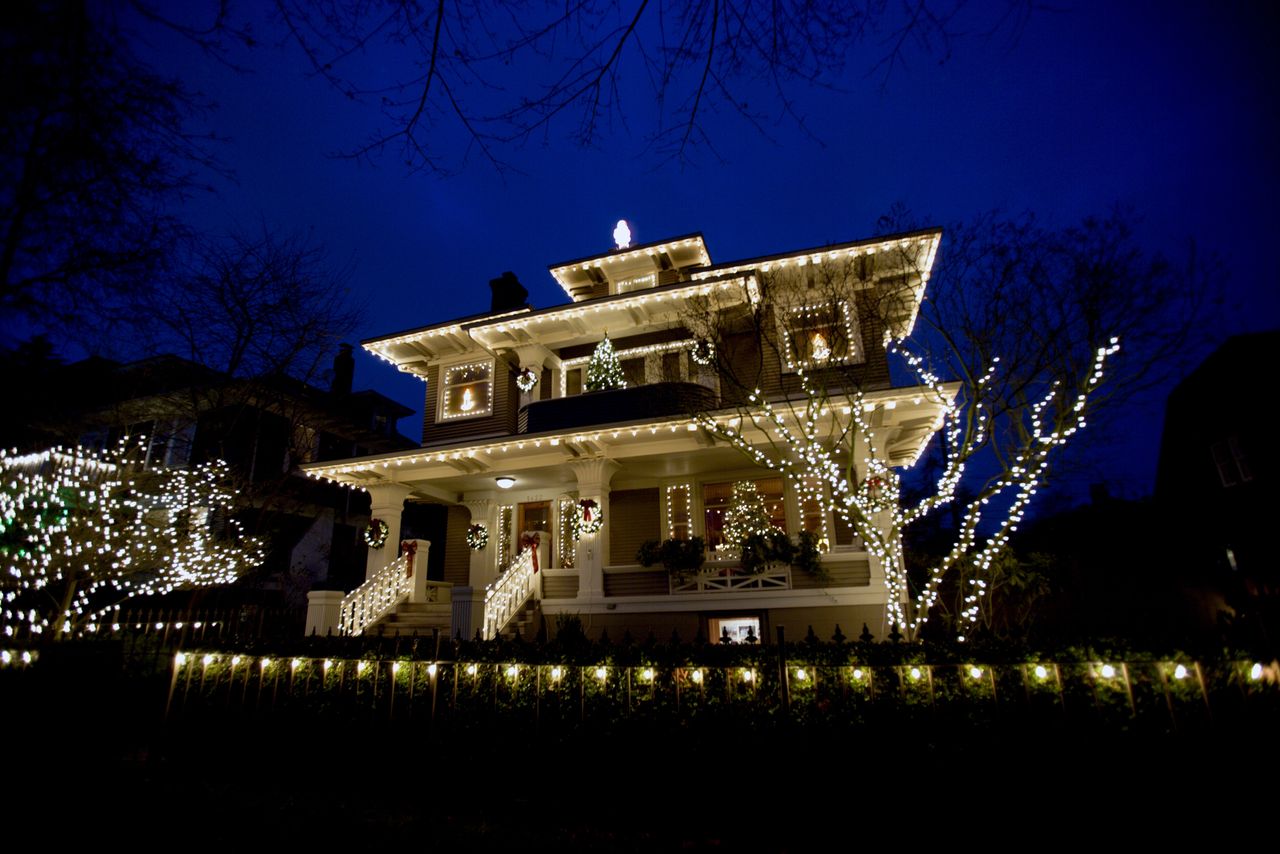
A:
[820, 348]
[468, 403]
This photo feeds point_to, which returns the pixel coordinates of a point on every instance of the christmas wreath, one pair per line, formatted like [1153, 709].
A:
[588, 519]
[703, 351]
[375, 536]
[526, 379]
[477, 537]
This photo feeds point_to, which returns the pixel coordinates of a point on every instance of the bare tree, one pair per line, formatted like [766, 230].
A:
[496, 72]
[94, 149]
[1013, 347]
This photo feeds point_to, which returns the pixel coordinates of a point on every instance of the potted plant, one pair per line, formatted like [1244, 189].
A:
[681, 558]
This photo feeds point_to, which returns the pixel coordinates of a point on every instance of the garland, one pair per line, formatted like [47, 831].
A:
[375, 536]
[477, 537]
[526, 379]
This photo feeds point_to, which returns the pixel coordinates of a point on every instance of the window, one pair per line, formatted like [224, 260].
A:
[736, 629]
[671, 367]
[678, 511]
[467, 391]
[636, 283]
[633, 371]
[1229, 457]
[822, 334]
[717, 498]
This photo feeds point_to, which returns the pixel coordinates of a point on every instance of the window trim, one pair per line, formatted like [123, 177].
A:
[787, 316]
[442, 406]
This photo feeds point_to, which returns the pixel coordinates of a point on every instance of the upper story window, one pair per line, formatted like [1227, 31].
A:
[815, 336]
[1229, 457]
[637, 283]
[466, 391]
[667, 362]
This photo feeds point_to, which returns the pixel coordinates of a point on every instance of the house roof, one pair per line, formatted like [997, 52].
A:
[645, 309]
[580, 277]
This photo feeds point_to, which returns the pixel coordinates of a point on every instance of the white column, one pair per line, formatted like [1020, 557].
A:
[593, 482]
[484, 563]
[387, 504]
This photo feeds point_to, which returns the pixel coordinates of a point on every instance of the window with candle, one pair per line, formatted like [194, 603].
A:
[467, 390]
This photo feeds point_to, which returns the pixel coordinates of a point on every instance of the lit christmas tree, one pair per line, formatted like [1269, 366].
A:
[746, 515]
[603, 371]
[80, 532]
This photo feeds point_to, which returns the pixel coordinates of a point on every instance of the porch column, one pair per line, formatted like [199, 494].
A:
[536, 357]
[884, 519]
[484, 563]
[593, 482]
[387, 504]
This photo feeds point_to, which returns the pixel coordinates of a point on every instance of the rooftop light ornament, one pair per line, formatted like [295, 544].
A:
[622, 234]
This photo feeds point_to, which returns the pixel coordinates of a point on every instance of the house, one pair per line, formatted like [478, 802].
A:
[264, 428]
[1214, 479]
[544, 491]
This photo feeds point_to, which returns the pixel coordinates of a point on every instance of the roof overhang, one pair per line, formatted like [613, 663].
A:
[581, 277]
[910, 255]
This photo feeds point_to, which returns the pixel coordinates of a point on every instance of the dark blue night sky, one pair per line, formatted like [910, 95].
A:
[1168, 107]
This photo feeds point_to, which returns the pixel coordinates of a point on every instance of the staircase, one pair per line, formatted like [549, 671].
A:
[524, 623]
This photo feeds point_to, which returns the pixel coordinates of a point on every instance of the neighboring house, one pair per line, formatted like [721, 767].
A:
[1216, 478]
[521, 462]
[265, 429]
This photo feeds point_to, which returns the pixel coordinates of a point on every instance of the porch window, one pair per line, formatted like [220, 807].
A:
[717, 497]
[812, 519]
[678, 516]
[467, 390]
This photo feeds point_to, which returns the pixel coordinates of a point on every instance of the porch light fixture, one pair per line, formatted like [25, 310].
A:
[505, 482]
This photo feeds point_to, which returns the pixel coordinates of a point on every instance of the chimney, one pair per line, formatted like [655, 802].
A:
[508, 293]
[344, 371]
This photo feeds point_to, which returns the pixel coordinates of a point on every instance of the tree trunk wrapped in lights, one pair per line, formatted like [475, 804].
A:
[82, 531]
[1004, 361]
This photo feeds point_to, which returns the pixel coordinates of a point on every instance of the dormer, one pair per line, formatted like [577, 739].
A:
[634, 268]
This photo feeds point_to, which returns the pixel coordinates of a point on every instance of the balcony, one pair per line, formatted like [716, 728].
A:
[617, 405]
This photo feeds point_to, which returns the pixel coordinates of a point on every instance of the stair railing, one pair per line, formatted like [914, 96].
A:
[377, 597]
[504, 598]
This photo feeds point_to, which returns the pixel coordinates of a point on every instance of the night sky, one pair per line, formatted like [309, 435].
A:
[1168, 107]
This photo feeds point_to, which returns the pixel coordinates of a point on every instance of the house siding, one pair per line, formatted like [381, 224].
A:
[506, 401]
[457, 556]
[634, 515]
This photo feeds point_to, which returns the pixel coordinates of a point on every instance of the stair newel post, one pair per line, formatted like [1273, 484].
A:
[415, 557]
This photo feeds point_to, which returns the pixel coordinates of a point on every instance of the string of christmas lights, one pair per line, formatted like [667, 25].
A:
[82, 530]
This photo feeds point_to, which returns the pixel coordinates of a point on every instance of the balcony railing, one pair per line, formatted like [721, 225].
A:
[624, 404]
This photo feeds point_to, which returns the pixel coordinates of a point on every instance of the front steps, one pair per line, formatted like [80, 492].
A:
[524, 623]
[408, 619]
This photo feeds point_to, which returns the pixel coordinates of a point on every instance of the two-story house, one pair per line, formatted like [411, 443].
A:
[550, 489]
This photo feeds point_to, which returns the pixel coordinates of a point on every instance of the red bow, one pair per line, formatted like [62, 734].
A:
[531, 541]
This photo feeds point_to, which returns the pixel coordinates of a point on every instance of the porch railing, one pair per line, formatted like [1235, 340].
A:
[507, 595]
[720, 579]
[377, 597]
